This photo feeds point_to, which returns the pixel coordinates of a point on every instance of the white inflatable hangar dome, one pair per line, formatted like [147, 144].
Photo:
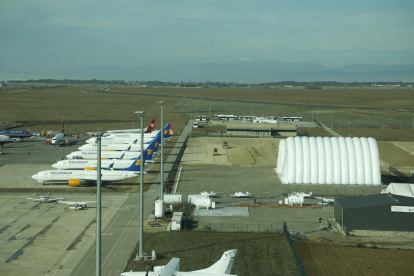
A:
[329, 160]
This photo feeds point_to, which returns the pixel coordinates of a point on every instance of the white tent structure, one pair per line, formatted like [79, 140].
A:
[329, 160]
[401, 189]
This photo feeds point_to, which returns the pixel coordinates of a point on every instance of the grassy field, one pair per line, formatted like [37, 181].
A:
[89, 109]
[323, 258]
[258, 254]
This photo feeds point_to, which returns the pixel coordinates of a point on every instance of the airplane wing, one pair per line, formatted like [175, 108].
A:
[171, 267]
[325, 199]
[76, 202]
[56, 199]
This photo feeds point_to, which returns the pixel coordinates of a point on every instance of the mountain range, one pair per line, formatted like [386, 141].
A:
[238, 71]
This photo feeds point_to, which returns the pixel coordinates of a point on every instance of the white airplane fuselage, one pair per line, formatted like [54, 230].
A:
[82, 164]
[123, 147]
[83, 175]
[104, 154]
[118, 140]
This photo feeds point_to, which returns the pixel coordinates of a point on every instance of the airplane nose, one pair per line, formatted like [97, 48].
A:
[69, 156]
[55, 165]
[34, 176]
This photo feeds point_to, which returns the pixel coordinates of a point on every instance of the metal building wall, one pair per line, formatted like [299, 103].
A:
[378, 218]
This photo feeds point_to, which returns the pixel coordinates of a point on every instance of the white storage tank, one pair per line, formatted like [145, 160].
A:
[159, 208]
[204, 203]
[172, 198]
[294, 199]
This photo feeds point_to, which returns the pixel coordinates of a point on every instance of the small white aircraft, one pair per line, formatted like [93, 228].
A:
[77, 205]
[57, 139]
[212, 194]
[221, 268]
[240, 194]
[325, 201]
[303, 194]
[46, 199]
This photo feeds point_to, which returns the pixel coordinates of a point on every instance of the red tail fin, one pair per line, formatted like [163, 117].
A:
[169, 132]
[151, 126]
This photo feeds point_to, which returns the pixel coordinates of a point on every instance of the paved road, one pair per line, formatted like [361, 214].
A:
[121, 235]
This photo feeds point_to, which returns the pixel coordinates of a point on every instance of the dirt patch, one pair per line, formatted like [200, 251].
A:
[322, 258]
[256, 152]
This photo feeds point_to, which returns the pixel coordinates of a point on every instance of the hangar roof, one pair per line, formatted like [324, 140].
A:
[367, 201]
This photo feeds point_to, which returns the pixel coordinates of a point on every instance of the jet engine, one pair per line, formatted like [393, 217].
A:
[90, 169]
[74, 182]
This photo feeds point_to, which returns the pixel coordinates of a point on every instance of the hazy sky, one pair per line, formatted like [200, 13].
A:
[166, 32]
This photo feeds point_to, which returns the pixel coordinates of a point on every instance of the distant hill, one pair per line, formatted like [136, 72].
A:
[238, 71]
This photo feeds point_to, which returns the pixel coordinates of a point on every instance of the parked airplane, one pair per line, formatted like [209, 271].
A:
[303, 194]
[221, 268]
[212, 194]
[325, 201]
[104, 155]
[77, 205]
[5, 139]
[46, 199]
[129, 139]
[138, 135]
[117, 163]
[84, 177]
[18, 135]
[57, 139]
[138, 130]
[240, 194]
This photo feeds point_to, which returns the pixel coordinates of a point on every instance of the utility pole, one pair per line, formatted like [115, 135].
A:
[98, 209]
[141, 189]
[349, 129]
[162, 149]
[339, 125]
[331, 121]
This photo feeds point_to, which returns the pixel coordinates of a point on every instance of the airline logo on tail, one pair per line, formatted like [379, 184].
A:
[138, 163]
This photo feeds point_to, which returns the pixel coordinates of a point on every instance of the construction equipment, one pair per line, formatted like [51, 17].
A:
[215, 152]
[225, 145]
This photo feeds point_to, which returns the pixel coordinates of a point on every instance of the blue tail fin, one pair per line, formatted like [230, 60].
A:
[151, 148]
[166, 131]
[157, 142]
[136, 164]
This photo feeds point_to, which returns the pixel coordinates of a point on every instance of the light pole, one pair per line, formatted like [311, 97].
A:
[98, 209]
[331, 121]
[209, 113]
[349, 129]
[339, 125]
[162, 149]
[141, 189]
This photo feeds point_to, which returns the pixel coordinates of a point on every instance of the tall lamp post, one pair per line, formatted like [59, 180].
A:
[339, 126]
[141, 189]
[98, 209]
[162, 149]
[349, 129]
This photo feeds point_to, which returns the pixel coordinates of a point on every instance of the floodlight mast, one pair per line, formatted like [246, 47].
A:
[141, 189]
[162, 149]
[98, 208]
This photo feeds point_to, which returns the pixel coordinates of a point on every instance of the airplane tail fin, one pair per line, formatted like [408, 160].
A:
[151, 148]
[151, 126]
[222, 266]
[166, 130]
[136, 164]
[170, 131]
[310, 193]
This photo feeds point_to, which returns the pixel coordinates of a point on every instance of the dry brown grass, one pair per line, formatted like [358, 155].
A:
[392, 98]
[325, 259]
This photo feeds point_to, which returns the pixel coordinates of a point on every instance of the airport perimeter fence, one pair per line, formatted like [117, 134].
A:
[177, 160]
[292, 247]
